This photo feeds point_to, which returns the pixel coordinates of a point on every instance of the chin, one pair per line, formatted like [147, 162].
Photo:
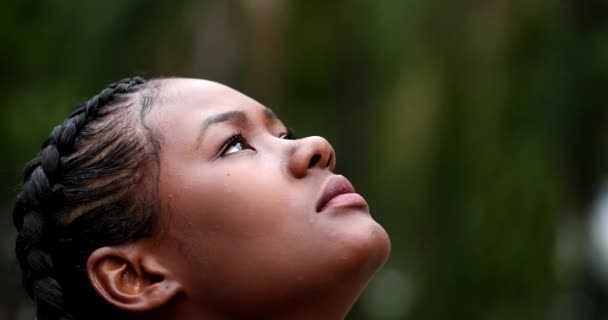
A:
[366, 247]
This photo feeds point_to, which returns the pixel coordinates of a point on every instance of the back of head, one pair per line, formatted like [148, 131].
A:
[79, 194]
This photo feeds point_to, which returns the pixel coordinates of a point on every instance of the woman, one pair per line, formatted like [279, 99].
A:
[185, 199]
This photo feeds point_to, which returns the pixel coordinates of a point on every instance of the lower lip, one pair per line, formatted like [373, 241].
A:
[346, 200]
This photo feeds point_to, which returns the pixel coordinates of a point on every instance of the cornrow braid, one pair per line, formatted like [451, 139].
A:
[76, 197]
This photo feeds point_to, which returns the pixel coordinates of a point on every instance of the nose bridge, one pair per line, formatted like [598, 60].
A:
[311, 153]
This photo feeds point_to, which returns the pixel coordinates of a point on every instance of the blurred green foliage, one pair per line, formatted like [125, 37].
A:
[476, 129]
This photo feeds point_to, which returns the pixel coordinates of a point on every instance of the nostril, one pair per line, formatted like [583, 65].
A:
[314, 160]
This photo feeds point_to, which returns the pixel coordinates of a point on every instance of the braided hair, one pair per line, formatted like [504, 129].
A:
[79, 194]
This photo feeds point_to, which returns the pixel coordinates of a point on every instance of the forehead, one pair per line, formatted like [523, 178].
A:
[204, 96]
[181, 101]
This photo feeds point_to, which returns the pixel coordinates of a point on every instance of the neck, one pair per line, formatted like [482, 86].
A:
[328, 304]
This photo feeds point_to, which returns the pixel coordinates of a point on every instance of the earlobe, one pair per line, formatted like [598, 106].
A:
[131, 278]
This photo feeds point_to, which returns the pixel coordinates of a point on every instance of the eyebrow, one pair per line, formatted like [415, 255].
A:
[270, 115]
[234, 116]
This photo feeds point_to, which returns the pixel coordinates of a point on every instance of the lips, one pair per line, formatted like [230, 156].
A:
[339, 192]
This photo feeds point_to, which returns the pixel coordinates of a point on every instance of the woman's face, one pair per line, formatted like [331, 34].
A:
[242, 214]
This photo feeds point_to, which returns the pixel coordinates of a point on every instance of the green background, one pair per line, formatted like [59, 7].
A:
[477, 130]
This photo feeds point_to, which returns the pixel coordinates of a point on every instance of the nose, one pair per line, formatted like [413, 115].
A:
[310, 153]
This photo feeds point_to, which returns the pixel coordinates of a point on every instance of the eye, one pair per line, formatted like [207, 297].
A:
[234, 144]
[289, 135]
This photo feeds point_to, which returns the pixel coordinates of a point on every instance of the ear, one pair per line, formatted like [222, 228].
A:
[131, 277]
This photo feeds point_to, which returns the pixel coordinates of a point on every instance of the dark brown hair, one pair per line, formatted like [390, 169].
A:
[83, 191]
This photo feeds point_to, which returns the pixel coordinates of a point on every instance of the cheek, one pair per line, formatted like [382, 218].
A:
[236, 225]
[229, 205]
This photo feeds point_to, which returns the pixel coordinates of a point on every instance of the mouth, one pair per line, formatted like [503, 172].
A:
[339, 192]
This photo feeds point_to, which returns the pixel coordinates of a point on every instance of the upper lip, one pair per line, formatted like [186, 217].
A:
[335, 186]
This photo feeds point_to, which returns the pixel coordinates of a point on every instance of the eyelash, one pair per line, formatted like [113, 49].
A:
[237, 137]
[289, 135]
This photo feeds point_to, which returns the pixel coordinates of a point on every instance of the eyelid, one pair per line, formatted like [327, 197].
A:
[288, 135]
[237, 136]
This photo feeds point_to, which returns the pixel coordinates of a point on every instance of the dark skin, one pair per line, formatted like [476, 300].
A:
[240, 236]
